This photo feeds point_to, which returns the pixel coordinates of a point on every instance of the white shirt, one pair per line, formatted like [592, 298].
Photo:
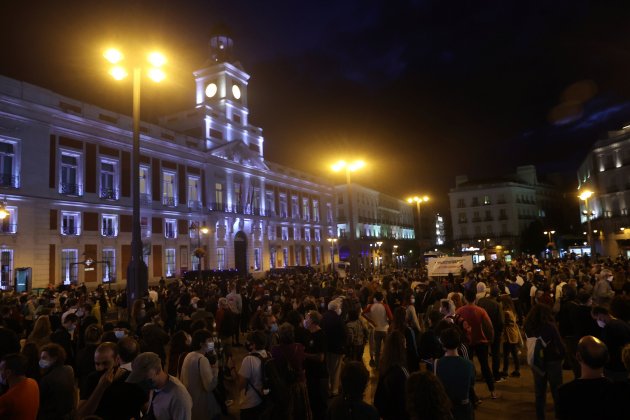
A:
[251, 370]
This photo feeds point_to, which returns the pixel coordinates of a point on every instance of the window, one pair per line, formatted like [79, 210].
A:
[283, 206]
[109, 225]
[218, 197]
[145, 185]
[318, 255]
[272, 258]
[255, 202]
[296, 233]
[462, 218]
[285, 233]
[475, 201]
[257, 259]
[503, 214]
[295, 207]
[461, 203]
[307, 234]
[69, 183]
[6, 269]
[305, 209]
[170, 262]
[8, 225]
[169, 197]
[315, 211]
[486, 200]
[170, 228]
[307, 253]
[318, 235]
[69, 266]
[329, 213]
[109, 180]
[298, 255]
[269, 206]
[145, 230]
[70, 223]
[285, 257]
[238, 197]
[9, 159]
[109, 265]
[194, 200]
[221, 258]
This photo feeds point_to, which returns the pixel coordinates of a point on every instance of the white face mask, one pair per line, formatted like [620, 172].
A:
[209, 347]
[601, 323]
[44, 364]
[119, 334]
[338, 311]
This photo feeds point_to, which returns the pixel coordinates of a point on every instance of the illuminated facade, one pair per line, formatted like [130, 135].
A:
[606, 171]
[380, 222]
[493, 212]
[66, 178]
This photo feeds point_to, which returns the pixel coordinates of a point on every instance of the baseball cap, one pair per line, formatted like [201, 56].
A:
[141, 366]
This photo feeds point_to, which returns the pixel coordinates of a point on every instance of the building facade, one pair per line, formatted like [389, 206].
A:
[381, 223]
[494, 212]
[606, 172]
[66, 184]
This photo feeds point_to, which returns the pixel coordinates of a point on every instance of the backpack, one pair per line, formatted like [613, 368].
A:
[463, 327]
[277, 377]
[535, 354]
[356, 333]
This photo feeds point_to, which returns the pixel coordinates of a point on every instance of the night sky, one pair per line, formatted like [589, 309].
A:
[423, 90]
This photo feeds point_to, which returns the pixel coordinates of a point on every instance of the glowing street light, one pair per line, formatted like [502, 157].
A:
[333, 242]
[137, 273]
[584, 196]
[418, 201]
[549, 233]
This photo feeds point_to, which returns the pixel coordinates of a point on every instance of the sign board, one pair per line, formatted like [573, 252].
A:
[443, 266]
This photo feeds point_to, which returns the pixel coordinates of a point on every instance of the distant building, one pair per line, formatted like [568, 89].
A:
[440, 230]
[494, 212]
[606, 171]
[381, 223]
[65, 176]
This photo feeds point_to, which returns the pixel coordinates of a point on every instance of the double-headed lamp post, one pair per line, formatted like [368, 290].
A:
[549, 233]
[349, 168]
[332, 242]
[199, 230]
[418, 201]
[137, 274]
[584, 196]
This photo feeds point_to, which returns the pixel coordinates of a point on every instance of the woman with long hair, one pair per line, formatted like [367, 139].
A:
[540, 323]
[42, 329]
[412, 338]
[389, 397]
[178, 348]
[511, 337]
[56, 386]
[426, 398]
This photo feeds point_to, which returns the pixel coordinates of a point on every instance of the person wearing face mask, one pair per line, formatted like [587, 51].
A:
[98, 381]
[168, 397]
[615, 333]
[200, 377]
[56, 386]
[65, 336]
[334, 328]
[21, 401]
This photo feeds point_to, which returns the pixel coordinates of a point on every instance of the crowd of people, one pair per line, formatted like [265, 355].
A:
[313, 340]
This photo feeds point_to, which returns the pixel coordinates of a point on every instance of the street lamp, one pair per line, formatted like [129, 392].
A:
[199, 251]
[584, 196]
[137, 274]
[549, 233]
[332, 242]
[418, 201]
[349, 168]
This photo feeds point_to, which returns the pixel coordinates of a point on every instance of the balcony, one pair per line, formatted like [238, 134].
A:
[462, 221]
[108, 232]
[169, 201]
[108, 193]
[145, 199]
[69, 230]
[170, 234]
[8, 228]
[72, 190]
[218, 207]
[476, 219]
[9, 181]
[195, 205]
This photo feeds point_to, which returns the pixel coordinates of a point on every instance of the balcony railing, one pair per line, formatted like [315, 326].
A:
[218, 207]
[8, 228]
[9, 181]
[170, 234]
[169, 201]
[108, 232]
[74, 190]
[108, 193]
[462, 221]
[145, 199]
[195, 205]
[69, 230]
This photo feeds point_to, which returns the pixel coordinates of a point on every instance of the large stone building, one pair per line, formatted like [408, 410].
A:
[66, 184]
[381, 224]
[494, 212]
[606, 172]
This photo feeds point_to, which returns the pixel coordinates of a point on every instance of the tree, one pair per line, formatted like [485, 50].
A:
[533, 241]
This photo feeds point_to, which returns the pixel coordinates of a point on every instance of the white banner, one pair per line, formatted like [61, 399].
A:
[445, 265]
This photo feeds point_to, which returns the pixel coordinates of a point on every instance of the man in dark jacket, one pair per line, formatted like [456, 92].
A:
[65, 337]
[495, 312]
[335, 331]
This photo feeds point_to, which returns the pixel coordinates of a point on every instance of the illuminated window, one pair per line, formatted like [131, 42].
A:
[109, 180]
[221, 258]
[295, 207]
[194, 200]
[257, 259]
[169, 254]
[145, 185]
[170, 228]
[169, 190]
[318, 235]
[109, 225]
[6, 269]
[109, 265]
[8, 225]
[272, 257]
[218, 197]
[307, 254]
[70, 223]
[9, 163]
[285, 233]
[315, 211]
[305, 209]
[285, 257]
[70, 176]
[69, 266]
[318, 255]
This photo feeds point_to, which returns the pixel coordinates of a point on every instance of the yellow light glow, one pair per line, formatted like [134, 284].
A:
[156, 75]
[118, 72]
[113, 55]
[156, 59]
[339, 165]
[586, 195]
[425, 198]
[410, 200]
[356, 165]
[204, 230]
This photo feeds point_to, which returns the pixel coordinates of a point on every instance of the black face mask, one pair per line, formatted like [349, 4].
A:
[147, 385]
[249, 347]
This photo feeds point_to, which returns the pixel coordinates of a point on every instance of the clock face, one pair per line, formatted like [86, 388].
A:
[236, 92]
[211, 90]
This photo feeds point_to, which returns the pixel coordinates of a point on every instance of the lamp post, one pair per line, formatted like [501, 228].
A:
[203, 229]
[137, 273]
[584, 196]
[349, 168]
[418, 201]
[332, 242]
